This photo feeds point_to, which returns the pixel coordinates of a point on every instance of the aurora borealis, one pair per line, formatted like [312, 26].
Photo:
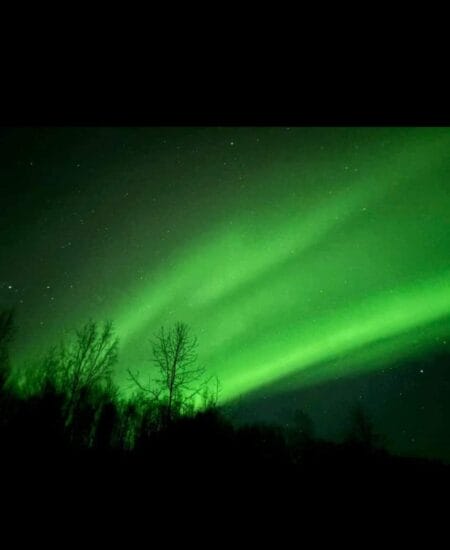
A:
[297, 255]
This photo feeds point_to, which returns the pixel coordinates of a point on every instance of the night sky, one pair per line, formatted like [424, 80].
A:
[313, 264]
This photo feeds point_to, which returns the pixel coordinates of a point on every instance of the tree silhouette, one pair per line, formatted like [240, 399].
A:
[362, 431]
[210, 396]
[175, 356]
[80, 366]
[7, 331]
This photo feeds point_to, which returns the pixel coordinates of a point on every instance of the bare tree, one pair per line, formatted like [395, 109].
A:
[175, 356]
[362, 430]
[84, 363]
[210, 396]
[7, 331]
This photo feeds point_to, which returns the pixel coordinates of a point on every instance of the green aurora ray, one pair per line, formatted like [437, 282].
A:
[327, 268]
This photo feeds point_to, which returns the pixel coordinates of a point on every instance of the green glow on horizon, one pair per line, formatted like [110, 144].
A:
[379, 318]
[323, 265]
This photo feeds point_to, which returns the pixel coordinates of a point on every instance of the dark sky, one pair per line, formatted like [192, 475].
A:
[312, 263]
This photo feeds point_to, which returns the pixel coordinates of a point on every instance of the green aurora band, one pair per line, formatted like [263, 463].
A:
[327, 269]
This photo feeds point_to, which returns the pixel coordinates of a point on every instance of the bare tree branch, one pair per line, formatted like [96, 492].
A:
[175, 357]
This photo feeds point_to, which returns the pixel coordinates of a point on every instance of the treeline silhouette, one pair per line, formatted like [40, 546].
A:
[63, 415]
